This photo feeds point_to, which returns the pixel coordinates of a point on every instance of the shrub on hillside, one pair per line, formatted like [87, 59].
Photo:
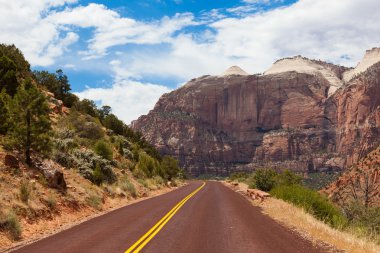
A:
[104, 150]
[127, 186]
[24, 191]
[314, 203]
[11, 224]
[265, 179]
[87, 160]
[94, 201]
[239, 176]
[288, 178]
[366, 218]
[97, 175]
[85, 126]
[147, 164]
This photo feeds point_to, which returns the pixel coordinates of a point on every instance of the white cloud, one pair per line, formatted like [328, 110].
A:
[112, 30]
[44, 32]
[128, 98]
[22, 24]
[302, 28]
[255, 41]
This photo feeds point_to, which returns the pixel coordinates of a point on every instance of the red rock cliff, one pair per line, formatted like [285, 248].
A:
[300, 114]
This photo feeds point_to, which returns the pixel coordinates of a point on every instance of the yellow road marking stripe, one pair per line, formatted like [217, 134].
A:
[159, 225]
[156, 225]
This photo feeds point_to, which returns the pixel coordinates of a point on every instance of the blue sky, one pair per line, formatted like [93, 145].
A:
[128, 53]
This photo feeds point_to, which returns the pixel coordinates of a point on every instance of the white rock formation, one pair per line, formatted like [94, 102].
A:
[371, 57]
[235, 70]
[304, 65]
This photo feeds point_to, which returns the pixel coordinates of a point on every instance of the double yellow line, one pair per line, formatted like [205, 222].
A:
[145, 239]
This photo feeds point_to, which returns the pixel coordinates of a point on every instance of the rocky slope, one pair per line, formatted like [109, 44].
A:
[301, 114]
[360, 183]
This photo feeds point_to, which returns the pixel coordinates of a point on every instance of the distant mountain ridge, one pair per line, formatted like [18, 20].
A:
[301, 114]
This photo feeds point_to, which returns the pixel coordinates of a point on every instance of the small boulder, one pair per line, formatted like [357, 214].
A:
[11, 161]
[53, 174]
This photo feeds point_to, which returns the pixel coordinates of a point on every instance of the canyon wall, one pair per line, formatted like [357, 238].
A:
[301, 114]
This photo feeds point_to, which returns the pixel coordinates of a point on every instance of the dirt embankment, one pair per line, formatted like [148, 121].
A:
[39, 210]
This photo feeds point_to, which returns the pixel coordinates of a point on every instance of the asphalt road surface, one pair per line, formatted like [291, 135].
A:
[196, 218]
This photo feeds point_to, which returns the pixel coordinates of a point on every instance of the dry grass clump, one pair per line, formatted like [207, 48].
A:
[315, 230]
[10, 223]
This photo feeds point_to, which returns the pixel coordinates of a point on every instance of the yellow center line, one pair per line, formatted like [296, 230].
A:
[139, 244]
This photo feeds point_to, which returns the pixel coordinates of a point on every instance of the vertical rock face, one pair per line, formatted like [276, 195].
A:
[300, 114]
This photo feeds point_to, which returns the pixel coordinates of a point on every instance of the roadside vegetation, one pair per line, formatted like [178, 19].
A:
[58, 152]
[354, 218]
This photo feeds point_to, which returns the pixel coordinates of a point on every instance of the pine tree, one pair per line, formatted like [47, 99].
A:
[4, 114]
[8, 75]
[63, 84]
[29, 120]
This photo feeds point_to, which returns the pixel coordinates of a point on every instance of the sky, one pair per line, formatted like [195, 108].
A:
[127, 53]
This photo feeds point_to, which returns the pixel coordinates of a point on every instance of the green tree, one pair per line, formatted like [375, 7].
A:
[88, 106]
[63, 84]
[4, 113]
[29, 120]
[113, 123]
[8, 75]
[170, 167]
[58, 84]
[48, 80]
[14, 54]
[104, 111]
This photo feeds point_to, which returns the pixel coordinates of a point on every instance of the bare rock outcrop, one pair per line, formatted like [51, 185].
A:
[303, 117]
[53, 174]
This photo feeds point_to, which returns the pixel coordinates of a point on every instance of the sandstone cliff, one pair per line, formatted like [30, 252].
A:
[301, 114]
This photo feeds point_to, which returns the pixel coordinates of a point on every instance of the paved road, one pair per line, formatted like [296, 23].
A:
[213, 219]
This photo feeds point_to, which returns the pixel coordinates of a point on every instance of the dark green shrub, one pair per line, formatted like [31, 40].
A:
[121, 149]
[97, 175]
[314, 203]
[265, 179]
[104, 150]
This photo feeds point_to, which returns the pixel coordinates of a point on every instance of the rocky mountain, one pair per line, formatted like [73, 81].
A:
[301, 114]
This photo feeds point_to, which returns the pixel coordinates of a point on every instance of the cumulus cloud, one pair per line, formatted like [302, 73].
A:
[22, 23]
[255, 41]
[128, 98]
[303, 28]
[111, 29]
[44, 30]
